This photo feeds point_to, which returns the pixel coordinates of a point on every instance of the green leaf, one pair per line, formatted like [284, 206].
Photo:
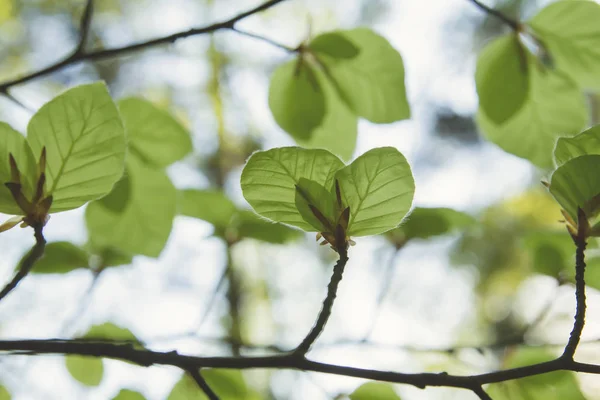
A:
[153, 134]
[378, 187]
[571, 34]
[575, 184]
[551, 386]
[334, 45]
[592, 272]
[248, 225]
[110, 331]
[87, 370]
[296, 99]
[501, 78]
[111, 257]
[310, 193]
[13, 142]
[4, 394]
[372, 82]
[60, 258]
[587, 142]
[126, 394]
[554, 107]
[144, 225]
[552, 252]
[212, 206]
[227, 384]
[85, 143]
[374, 391]
[339, 129]
[424, 223]
[269, 178]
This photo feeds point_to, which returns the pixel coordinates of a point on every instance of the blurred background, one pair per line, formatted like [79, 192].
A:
[440, 296]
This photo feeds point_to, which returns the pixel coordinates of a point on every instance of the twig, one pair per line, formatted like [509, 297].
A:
[314, 333]
[211, 301]
[202, 384]
[84, 26]
[28, 262]
[12, 98]
[478, 390]
[118, 51]
[580, 243]
[516, 26]
[264, 39]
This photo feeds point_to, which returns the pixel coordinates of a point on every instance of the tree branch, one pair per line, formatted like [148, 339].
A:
[76, 57]
[314, 333]
[84, 26]
[202, 384]
[143, 357]
[515, 25]
[28, 262]
[478, 390]
[580, 243]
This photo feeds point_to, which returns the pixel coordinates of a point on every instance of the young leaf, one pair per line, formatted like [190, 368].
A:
[153, 134]
[378, 187]
[575, 184]
[144, 225]
[85, 142]
[339, 129]
[87, 370]
[424, 223]
[316, 205]
[270, 177]
[110, 331]
[4, 394]
[501, 78]
[227, 384]
[211, 206]
[587, 142]
[334, 45]
[372, 82]
[60, 258]
[554, 107]
[126, 394]
[374, 391]
[296, 99]
[571, 34]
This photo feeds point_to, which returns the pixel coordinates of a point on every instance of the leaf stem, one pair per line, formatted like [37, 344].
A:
[515, 26]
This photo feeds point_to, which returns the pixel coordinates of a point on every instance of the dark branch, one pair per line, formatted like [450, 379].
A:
[336, 278]
[516, 26]
[76, 57]
[580, 243]
[28, 262]
[202, 384]
[143, 357]
[84, 26]
[478, 390]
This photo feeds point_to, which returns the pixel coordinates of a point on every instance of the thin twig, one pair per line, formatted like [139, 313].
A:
[580, 243]
[12, 98]
[336, 278]
[516, 26]
[264, 39]
[118, 51]
[84, 26]
[202, 384]
[478, 390]
[28, 262]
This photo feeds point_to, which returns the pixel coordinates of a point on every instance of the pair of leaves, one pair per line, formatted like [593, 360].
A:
[338, 77]
[526, 100]
[137, 216]
[90, 370]
[216, 208]
[85, 149]
[227, 384]
[378, 186]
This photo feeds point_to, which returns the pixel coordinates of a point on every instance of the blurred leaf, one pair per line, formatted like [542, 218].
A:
[378, 187]
[269, 178]
[87, 370]
[154, 134]
[111, 257]
[374, 391]
[571, 34]
[212, 206]
[554, 107]
[424, 223]
[592, 272]
[296, 99]
[501, 78]
[310, 193]
[249, 225]
[339, 129]
[587, 142]
[60, 258]
[551, 386]
[126, 394]
[553, 252]
[110, 331]
[85, 142]
[117, 199]
[334, 45]
[575, 184]
[13, 142]
[4, 393]
[227, 384]
[372, 82]
[144, 225]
